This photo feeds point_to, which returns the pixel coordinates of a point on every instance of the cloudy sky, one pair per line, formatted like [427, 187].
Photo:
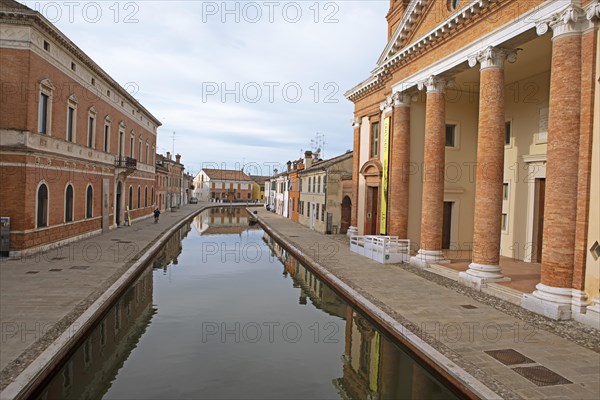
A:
[238, 81]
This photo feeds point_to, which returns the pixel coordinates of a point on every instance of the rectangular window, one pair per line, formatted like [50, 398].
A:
[507, 133]
[317, 213]
[147, 151]
[106, 134]
[43, 114]
[323, 212]
[70, 120]
[505, 191]
[375, 139]
[504, 222]
[319, 185]
[90, 131]
[140, 150]
[131, 147]
[450, 135]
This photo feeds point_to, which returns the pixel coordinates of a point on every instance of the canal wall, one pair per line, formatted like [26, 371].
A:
[454, 330]
[64, 334]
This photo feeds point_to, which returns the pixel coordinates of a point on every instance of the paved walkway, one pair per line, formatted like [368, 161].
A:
[41, 295]
[462, 324]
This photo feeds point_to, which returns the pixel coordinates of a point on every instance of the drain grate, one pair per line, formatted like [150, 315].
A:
[115, 240]
[80, 267]
[468, 306]
[55, 269]
[541, 376]
[124, 241]
[59, 258]
[293, 236]
[509, 357]
[32, 272]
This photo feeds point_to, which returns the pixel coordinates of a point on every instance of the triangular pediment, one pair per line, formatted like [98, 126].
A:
[422, 18]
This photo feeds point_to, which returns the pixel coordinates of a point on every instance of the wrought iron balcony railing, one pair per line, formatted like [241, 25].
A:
[126, 162]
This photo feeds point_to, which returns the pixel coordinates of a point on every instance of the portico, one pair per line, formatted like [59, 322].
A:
[489, 144]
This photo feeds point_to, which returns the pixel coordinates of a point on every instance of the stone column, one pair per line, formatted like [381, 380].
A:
[433, 174]
[554, 294]
[353, 229]
[487, 228]
[399, 166]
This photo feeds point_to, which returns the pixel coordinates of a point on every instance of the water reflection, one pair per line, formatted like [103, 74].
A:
[93, 366]
[172, 249]
[222, 221]
[373, 366]
[226, 325]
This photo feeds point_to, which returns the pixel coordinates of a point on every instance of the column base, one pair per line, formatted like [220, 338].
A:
[478, 275]
[551, 302]
[591, 316]
[426, 257]
[352, 231]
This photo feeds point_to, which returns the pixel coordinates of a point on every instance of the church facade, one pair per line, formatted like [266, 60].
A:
[478, 132]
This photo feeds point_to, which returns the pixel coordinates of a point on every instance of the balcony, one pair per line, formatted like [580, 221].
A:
[127, 163]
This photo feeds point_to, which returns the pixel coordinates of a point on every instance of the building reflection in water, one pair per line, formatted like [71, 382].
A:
[172, 249]
[91, 369]
[373, 366]
[222, 221]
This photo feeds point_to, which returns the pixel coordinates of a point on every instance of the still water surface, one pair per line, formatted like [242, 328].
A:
[225, 312]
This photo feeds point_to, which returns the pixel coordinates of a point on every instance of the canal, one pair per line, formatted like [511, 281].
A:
[225, 312]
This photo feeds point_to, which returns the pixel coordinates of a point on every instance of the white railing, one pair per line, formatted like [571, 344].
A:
[383, 249]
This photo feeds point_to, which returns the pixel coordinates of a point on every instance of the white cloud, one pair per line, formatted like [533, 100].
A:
[173, 55]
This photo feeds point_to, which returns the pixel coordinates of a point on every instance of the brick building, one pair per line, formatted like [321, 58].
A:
[224, 185]
[478, 131]
[76, 149]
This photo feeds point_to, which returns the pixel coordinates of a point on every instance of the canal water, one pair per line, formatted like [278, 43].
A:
[225, 312]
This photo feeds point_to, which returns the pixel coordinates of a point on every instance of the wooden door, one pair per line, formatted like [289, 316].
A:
[447, 225]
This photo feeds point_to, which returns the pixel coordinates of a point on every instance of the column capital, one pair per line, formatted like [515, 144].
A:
[436, 84]
[593, 11]
[387, 105]
[493, 57]
[356, 121]
[570, 20]
[401, 99]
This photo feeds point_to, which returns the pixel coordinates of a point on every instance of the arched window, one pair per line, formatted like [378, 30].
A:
[89, 202]
[42, 206]
[139, 193]
[146, 196]
[130, 197]
[69, 203]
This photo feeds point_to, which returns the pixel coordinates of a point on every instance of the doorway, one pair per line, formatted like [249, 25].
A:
[118, 205]
[346, 215]
[372, 214]
[538, 219]
[447, 225]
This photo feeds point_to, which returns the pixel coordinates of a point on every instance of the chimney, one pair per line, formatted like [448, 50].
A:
[168, 155]
[289, 166]
[275, 171]
[308, 159]
[178, 158]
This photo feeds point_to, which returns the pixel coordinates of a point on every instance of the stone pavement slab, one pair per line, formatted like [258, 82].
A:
[42, 294]
[432, 308]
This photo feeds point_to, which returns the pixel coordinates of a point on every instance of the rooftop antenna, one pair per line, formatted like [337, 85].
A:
[173, 149]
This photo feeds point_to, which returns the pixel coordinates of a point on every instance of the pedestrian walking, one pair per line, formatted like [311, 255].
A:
[156, 215]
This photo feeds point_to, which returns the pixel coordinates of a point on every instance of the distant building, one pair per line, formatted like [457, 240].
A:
[294, 196]
[224, 185]
[258, 187]
[321, 198]
[76, 148]
[174, 181]
[281, 181]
